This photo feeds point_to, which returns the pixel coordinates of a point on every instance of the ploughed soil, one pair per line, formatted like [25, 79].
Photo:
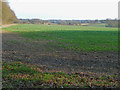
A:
[17, 48]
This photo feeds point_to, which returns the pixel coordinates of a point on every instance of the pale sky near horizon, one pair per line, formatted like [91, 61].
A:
[65, 9]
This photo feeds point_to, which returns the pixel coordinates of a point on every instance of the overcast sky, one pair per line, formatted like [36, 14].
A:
[65, 9]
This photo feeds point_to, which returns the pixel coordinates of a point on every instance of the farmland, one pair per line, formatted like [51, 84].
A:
[60, 56]
[78, 38]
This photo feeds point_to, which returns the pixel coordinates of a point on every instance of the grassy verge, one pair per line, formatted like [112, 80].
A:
[21, 75]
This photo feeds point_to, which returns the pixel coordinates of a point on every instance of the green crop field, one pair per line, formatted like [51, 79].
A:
[75, 38]
[25, 75]
[28, 62]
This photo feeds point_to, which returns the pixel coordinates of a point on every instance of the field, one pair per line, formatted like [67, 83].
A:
[60, 56]
[78, 38]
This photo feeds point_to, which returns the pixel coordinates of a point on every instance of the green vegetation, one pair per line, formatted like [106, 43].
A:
[21, 75]
[75, 38]
[97, 25]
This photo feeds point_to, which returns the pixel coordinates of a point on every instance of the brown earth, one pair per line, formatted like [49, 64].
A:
[17, 48]
[7, 25]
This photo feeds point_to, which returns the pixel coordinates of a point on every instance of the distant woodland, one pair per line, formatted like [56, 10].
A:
[107, 22]
[8, 16]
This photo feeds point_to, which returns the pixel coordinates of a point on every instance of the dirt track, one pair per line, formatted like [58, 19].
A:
[7, 25]
[17, 48]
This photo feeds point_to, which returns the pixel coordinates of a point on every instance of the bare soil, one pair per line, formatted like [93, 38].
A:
[7, 25]
[17, 48]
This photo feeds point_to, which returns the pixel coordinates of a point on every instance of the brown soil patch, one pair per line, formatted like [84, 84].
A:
[7, 25]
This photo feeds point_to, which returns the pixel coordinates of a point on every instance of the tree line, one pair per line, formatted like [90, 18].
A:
[107, 22]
